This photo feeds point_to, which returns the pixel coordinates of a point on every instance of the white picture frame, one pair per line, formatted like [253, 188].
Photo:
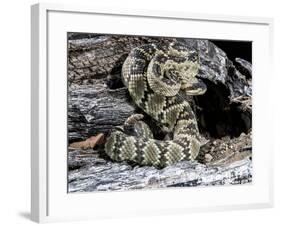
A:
[49, 198]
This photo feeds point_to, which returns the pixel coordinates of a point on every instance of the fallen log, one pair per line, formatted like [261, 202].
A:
[90, 173]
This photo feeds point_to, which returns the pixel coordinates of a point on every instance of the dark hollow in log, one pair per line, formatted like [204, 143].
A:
[217, 116]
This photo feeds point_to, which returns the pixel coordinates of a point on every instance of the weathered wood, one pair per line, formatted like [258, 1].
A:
[97, 109]
[244, 67]
[220, 162]
[99, 174]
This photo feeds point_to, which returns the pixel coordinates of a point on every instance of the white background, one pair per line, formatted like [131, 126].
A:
[60, 204]
[15, 111]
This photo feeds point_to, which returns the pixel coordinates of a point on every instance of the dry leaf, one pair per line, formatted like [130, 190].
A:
[89, 143]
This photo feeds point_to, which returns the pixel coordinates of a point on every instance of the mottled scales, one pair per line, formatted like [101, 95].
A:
[155, 77]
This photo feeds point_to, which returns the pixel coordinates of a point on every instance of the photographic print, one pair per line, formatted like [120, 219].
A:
[157, 112]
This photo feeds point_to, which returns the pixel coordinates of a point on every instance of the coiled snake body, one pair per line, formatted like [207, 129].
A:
[156, 76]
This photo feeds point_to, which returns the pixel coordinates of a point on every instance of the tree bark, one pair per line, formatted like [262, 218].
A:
[96, 110]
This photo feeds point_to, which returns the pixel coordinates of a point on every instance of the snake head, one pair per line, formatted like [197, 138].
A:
[189, 83]
[167, 74]
[162, 77]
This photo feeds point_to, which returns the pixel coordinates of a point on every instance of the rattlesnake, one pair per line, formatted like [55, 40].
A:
[155, 77]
